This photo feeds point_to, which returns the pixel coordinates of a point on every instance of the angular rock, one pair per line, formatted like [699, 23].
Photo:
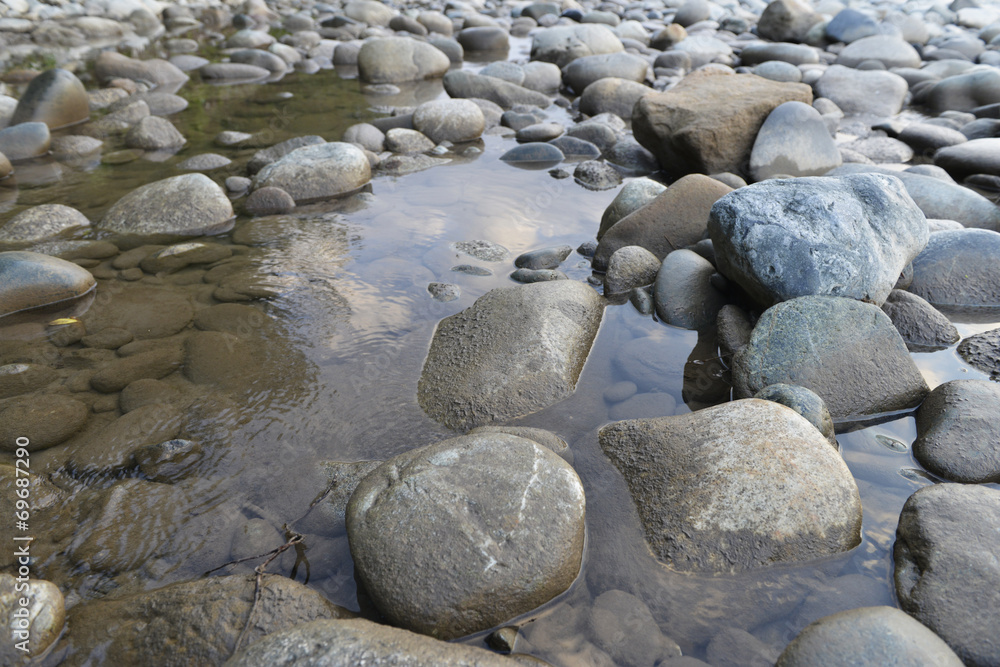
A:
[32, 280]
[736, 487]
[946, 568]
[675, 219]
[398, 59]
[921, 325]
[684, 294]
[793, 141]
[357, 641]
[40, 222]
[846, 351]
[958, 269]
[190, 622]
[883, 635]
[316, 172]
[708, 123]
[513, 352]
[850, 236]
[958, 432]
[186, 205]
[55, 97]
[496, 499]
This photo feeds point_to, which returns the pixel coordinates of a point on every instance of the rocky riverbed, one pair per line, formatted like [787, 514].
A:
[650, 333]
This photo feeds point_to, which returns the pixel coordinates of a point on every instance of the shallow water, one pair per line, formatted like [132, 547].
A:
[336, 355]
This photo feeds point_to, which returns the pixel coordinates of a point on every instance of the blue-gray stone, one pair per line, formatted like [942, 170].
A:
[684, 294]
[959, 269]
[805, 402]
[793, 141]
[533, 156]
[958, 432]
[31, 280]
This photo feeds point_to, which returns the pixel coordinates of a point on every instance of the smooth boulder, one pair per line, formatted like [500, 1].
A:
[793, 141]
[736, 487]
[54, 97]
[32, 280]
[562, 45]
[40, 222]
[958, 269]
[449, 120]
[958, 432]
[317, 172]
[849, 236]
[185, 205]
[399, 59]
[496, 500]
[846, 351]
[513, 352]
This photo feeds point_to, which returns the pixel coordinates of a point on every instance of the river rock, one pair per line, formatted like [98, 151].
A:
[676, 218]
[684, 294]
[946, 568]
[191, 622]
[938, 198]
[464, 84]
[846, 351]
[630, 266]
[793, 141]
[762, 52]
[154, 364]
[889, 50]
[875, 92]
[55, 97]
[805, 402]
[402, 140]
[543, 258]
[708, 122]
[526, 344]
[48, 419]
[586, 70]
[258, 58]
[597, 175]
[637, 193]
[483, 38]
[232, 72]
[534, 155]
[736, 487]
[979, 156]
[787, 21]
[45, 620]
[883, 635]
[25, 141]
[518, 503]
[849, 236]
[357, 641]
[958, 269]
[32, 280]
[110, 65]
[40, 222]
[449, 120]
[397, 59]
[925, 139]
[154, 133]
[922, 326]
[622, 626]
[368, 11]
[958, 432]
[612, 95]
[185, 205]
[564, 44]
[964, 91]
[316, 172]
[266, 156]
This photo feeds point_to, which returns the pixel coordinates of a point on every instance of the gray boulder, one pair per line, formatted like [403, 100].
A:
[921, 325]
[787, 20]
[397, 59]
[54, 97]
[266, 156]
[982, 351]
[357, 641]
[979, 156]
[464, 84]
[793, 141]
[637, 193]
[629, 267]
[515, 351]
[586, 70]
[684, 295]
[317, 172]
[154, 133]
[882, 635]
[736, 487]
[449, 120]
[31, 280]
[612, 95]
[856, 91]
[947, 571]
[890, 50]
[186, 205]
[849, 236]
[958, 269]
[40, 222]
[806, 403]
[965, 91]
[563, 44]
[24, 141]
[958, 431]
[495, 500]
[846, 351]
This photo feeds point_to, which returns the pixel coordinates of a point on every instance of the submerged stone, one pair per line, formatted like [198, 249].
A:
[31, 280]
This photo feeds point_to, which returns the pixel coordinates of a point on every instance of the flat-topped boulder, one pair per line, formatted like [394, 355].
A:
[185, 205]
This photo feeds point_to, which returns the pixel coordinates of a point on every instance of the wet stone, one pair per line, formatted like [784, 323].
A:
[402, 140]
[444, 292]
[148, 312]
[957, 269]
[22, 378]
[617, 615]
[628, 268]
[205, 162]
[186, 205]
[528, 276]
[269, 200]
[597, 175]
[46, 616]
[958, 431]
[488, 251]
[109, 450]
[47, 420]
[574, 149]
[317, 172]
[40, 222]
[154, 133]
[533, 156]
[806, 403]
[470, 270]
[496, 473]
[147, 391]
[31, 280]
[122, 372]
[456, 121]
[543, 258]
[25, 141]
[686, 495]
[922, 326]
[169, 461]
[982, 351]
[108, 339]
[55, 97]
